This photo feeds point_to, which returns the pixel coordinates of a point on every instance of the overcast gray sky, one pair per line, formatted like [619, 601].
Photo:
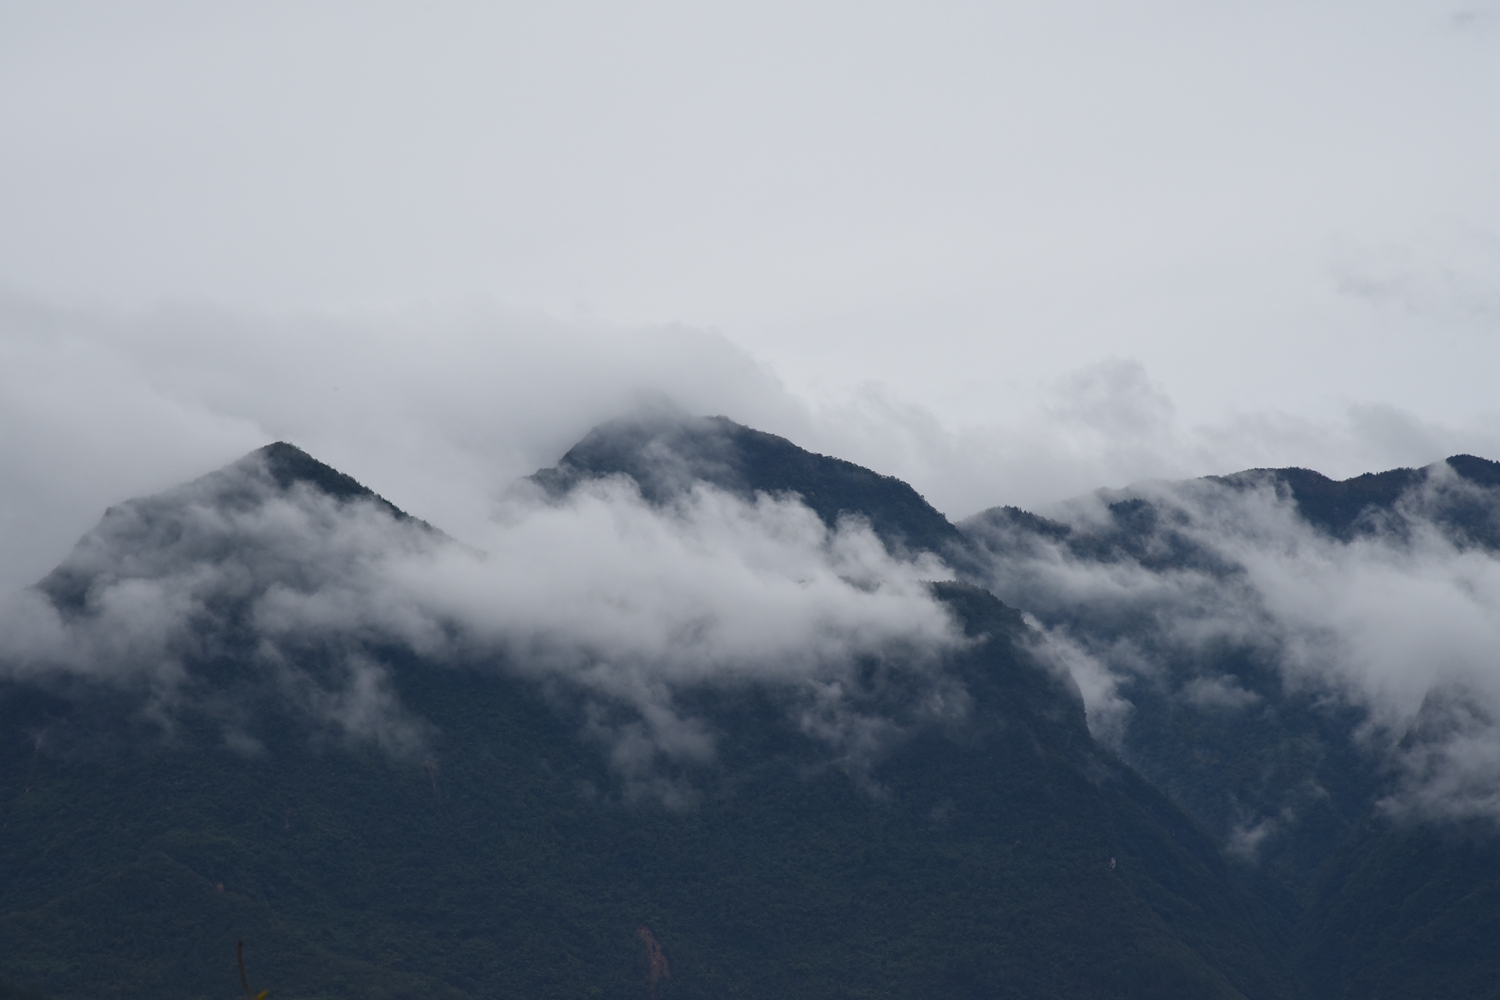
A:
[1007, 251]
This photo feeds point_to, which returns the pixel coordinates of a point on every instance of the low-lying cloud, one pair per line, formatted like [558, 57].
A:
[1401, 621]
[443, 408]
[443, 411]
[627, 603]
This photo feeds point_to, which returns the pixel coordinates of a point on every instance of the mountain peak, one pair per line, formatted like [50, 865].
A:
[147, 535]
[1475, 469]
[288, 465]
[666, 451]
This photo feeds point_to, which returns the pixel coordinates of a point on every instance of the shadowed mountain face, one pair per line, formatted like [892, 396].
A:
[1306, 666]
[1176, 588]
[667, 454]
[1455, 495]
[410, 810]
[139, 538]
[269, 706]
[1154, 524]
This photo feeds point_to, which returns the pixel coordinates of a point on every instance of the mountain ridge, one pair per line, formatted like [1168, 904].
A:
[1244, 706]
[981, 842]
[987, 846]
[665, 453]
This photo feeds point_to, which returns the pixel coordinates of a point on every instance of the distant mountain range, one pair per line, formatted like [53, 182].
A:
[1104, 753]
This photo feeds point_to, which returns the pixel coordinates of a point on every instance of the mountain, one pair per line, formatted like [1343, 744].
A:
[1235, 746]
[1407, 910]
[138, 532]
[1249, 636]
[667, 453]
[1455, 495]
[235, 718]
[1185, 547]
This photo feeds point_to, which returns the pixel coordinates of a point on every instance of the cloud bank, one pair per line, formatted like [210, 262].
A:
[445, 408]
[1157, 588]
[635, 603]
[624, 603]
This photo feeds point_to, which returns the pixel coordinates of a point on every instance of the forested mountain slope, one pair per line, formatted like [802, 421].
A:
[263, 707]
[1308, 668]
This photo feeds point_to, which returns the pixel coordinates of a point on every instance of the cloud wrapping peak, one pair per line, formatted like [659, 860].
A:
[1170, 589]
[626, 602]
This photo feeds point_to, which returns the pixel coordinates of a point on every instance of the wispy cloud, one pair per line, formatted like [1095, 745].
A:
[628, 604]
[1401, 621]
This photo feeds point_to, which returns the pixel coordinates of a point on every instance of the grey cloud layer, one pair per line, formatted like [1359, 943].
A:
[445, 409]
[954, 199]
[1382, 621]
[1403, 620]
[628, 603]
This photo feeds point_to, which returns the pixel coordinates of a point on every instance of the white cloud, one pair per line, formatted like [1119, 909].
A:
[1386, 621]
[1218, 692]
[442, 410]
[961, 202]
[627, 603]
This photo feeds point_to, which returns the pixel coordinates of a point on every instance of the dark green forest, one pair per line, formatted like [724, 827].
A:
[1008, 855]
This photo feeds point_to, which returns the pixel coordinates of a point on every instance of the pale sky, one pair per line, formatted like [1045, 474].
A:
[1009, 252]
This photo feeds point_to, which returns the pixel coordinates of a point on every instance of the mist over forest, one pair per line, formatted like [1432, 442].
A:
[704, 620]
[795, 500]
